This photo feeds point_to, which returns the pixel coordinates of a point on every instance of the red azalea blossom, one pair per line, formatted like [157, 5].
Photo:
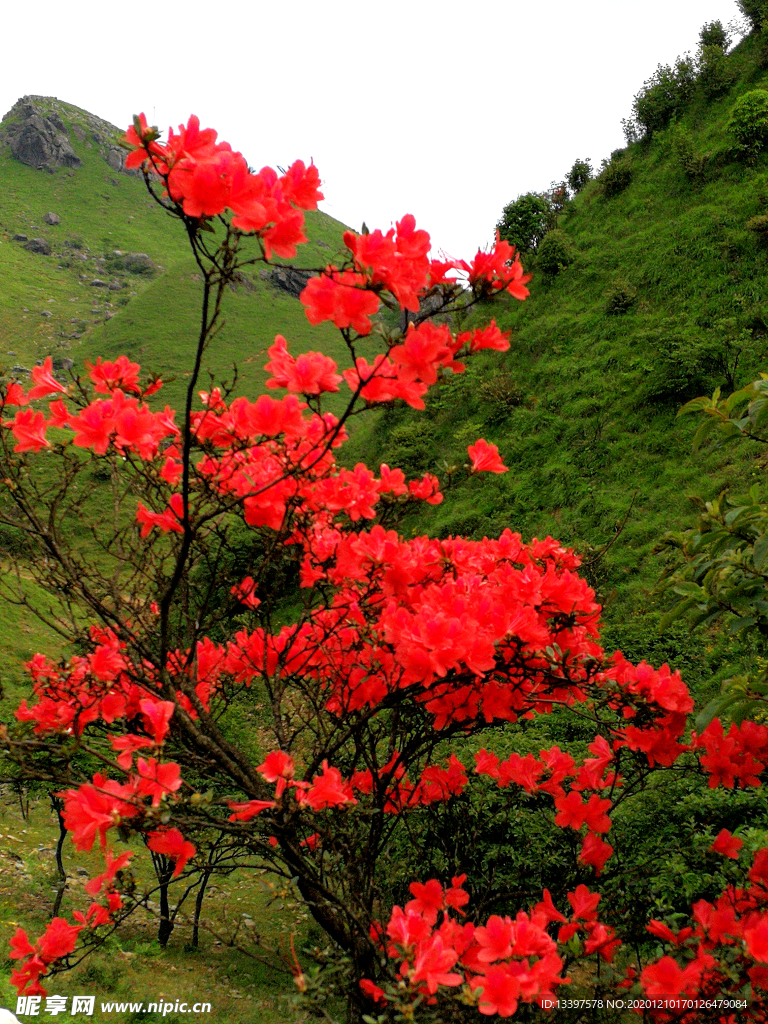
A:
[485, 458]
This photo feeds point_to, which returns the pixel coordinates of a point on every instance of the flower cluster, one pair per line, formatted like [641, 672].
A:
[206, 177]
[498, 964]
[722, 953]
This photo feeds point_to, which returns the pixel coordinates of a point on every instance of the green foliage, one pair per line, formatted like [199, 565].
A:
[684, 363]
[499, 395]
[692, 164]
[620, 299]
[555, 253]
[413, 447]
[665, 93]
[524, 222]
[755, 10]
[759, 225]
[579, 175]
[723, 572]
[615, 178]
[716, 71]
[713, 33]
[748, 126]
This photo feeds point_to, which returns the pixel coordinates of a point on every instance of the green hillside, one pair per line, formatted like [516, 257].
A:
[145, 308]
[665, 297]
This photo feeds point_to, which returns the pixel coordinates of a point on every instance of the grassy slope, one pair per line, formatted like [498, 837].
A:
[583, 406]
[153, 319]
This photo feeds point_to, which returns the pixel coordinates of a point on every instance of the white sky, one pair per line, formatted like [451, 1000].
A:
[442, 110]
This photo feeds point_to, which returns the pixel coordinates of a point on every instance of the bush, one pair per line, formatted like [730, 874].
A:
[621, 299]
[748, 126]
[579, 175]
[712, 33]
[524, 221]
[662, 95]
[555, 253]
[756, 11]
[615, 178]
[716, 73]
[692, 164]
[684, 363]
[498, 395]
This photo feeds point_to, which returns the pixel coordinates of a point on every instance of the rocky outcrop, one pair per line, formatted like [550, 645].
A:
[39, 129]
[288, 280]
[36, 140]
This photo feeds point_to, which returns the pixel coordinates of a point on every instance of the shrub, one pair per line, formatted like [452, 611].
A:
[713, 33]
[663, 94]
[555, 253]
[716, 72]
[579, 175]
[748, 126]
[684, 363]
[615, 178]
[621, 299]
[756, 11]
[692, 164]
[524, 221]
[759, 225]
[498, 395]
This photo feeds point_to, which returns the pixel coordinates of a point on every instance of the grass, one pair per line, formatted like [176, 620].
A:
[132, 967]
[583, 406]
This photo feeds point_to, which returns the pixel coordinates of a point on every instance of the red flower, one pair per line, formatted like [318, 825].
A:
[327, 790]
[501, 990]
[340, 297]
[121, 374]
[248, 810]
[310, 374]
[171, 843]
[29, 430]
[726, 844]
[429, 899]
[372, 991]
[45, 382]
[485, 458]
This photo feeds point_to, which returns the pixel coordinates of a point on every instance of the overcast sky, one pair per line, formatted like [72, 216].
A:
[443, 110]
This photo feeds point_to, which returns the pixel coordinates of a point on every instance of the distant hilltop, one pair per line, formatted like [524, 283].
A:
[39, 130]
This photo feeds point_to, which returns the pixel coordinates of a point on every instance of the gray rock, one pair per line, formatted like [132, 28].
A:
[98, 283]
[63, 364]
[289, 280]
[38, 141]
[19, 238]
[115, 286]
[46, 312]
[132, 262]
[115, 159]
[38, 245]
[51, 218]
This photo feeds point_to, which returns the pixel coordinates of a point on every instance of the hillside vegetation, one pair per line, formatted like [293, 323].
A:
[662, 296]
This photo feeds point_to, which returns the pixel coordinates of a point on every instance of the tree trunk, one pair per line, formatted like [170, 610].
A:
[61, 885]
[198, 908]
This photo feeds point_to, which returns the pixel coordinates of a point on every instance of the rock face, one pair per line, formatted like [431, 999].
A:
[289, 280]
[39, 141]
[39, 129]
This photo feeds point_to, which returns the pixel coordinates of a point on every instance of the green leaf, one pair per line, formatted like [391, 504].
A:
[759, 551]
